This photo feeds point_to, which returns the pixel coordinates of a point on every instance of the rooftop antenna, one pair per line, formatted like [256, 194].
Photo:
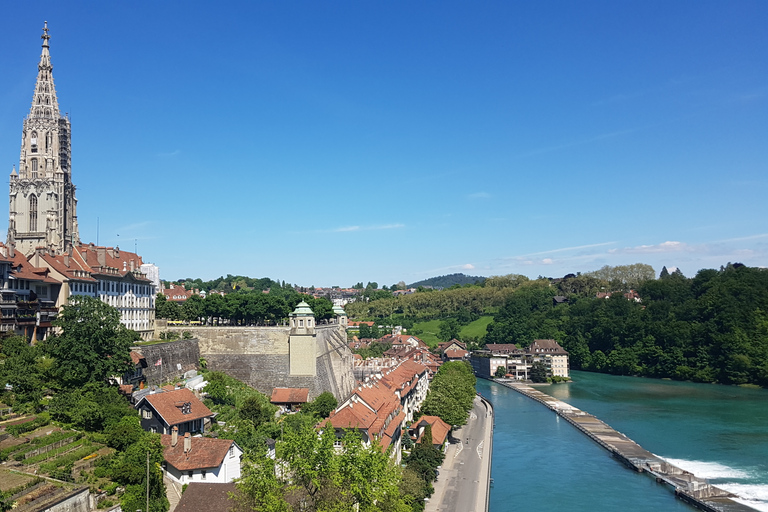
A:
[97, 231]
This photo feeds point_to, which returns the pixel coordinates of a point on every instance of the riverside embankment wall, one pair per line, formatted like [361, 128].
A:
[261, 357]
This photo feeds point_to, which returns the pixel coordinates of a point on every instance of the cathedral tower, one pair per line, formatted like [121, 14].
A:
[43, 208]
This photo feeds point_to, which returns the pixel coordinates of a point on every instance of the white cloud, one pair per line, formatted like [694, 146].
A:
[669, 246]
[547, 261]
[468, 266]
[347, 229]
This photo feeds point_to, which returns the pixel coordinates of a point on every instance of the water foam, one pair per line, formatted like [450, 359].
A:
[708, 470]
[751, 495]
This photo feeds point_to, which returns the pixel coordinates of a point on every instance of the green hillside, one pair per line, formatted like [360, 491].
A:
[428, 331]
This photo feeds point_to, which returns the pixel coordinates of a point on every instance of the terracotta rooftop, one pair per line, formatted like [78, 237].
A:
[206, 452]
[169, 404]
[290, 395]
[440, 428]
[206, 497]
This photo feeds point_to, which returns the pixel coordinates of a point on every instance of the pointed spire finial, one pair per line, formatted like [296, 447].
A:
[45, 37]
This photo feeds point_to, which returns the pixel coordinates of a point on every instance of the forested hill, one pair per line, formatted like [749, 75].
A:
[709, 328]
[448, 281]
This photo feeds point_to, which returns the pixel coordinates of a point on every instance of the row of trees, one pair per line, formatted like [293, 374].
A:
[489, 295]
[451, 393]
[709, 328]
[240, 308]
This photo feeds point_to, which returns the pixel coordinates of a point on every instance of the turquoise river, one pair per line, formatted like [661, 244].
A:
[541, 462]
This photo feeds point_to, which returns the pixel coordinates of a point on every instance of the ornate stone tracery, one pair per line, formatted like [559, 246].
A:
[44, 171]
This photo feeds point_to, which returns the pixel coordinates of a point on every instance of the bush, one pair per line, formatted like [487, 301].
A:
[22, 428]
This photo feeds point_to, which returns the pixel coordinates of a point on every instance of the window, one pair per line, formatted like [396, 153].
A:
[189, 474]
[34, 167]
[202, 474]
[232, 451]
[33, 212]
[147, 413]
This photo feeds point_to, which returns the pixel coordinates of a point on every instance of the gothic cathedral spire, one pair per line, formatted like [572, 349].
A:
[43, 208]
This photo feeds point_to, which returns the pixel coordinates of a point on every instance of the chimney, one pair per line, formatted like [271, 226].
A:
[187, 442]
[101, 256]
[174, 436]
[66, 259]
[11, 250]
[132, 266]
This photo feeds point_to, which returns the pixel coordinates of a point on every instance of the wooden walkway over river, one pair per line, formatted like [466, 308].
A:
[687, 486]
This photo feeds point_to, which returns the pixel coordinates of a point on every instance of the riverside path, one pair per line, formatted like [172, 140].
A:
[463, 482]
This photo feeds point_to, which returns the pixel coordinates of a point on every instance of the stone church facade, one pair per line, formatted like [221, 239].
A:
[43, 262]
[43, 208]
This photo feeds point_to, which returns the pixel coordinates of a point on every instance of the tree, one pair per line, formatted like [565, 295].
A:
[255, 410]
[451, 393]
[258, 486]
[538, 372]
[322, 405]
[130, 469]
[501, 371]
[193, 308]
[93, 345]
[21, 369]
[449, 329]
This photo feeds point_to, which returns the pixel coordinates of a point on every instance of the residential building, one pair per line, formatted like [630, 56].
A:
[518, 362]
[440, 430]
[200, 459]
[453, 350]
[177, 293]
[289, 399]
[27, 296]
[108, 274]
[160, 412]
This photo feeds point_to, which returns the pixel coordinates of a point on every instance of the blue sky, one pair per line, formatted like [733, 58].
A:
[324, 143]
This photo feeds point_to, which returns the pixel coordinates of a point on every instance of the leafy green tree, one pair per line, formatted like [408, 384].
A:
[92, 407]
[129, 468]
[193, 308]
[218, 390]
[424, 458]
[258, 487]
[451, 393]
[538, 372]
[124, 433]
[449, 329]
[93, 345]
[255, 410]
[23, 369]
[322, 405]
[501, 371]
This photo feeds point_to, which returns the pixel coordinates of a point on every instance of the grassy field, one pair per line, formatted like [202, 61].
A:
[477, 328]
[430, 329]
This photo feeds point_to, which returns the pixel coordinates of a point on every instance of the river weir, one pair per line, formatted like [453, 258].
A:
[687, 486]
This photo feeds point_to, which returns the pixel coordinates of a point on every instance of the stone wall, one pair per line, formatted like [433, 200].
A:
[177, 357]
[260, 356]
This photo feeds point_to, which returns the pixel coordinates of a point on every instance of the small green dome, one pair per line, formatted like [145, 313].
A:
[339, 311]
[302, 309]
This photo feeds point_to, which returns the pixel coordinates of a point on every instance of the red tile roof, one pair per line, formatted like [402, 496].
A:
[440, 428]
[168, 406]
[290, 395]
[206, 497]
[206, 452]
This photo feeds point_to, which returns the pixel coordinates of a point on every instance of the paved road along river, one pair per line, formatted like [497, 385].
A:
[464, 476]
